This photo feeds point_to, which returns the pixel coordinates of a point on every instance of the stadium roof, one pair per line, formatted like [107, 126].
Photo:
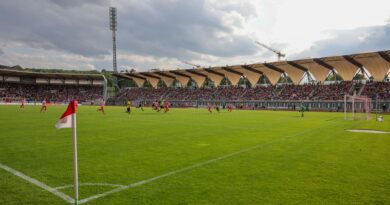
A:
[12, 72]
[376, 63]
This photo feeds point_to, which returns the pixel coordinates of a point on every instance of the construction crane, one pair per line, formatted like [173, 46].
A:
[191, 64]
[280, 54]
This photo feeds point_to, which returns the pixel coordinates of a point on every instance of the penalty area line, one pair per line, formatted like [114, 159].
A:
[37, 183]
[146, 181]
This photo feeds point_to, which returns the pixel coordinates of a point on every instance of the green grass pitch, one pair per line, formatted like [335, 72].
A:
[243, 157]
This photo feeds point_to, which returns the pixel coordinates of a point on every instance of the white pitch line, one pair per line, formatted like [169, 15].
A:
[89, 184]
[369, 131]
[192, 167]
[165, 175]
[103, 194]
[38, 183]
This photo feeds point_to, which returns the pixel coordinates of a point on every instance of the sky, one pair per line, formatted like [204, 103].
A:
[74, 34]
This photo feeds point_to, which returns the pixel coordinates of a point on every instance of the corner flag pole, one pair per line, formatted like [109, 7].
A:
[68, 120]
[75, 172]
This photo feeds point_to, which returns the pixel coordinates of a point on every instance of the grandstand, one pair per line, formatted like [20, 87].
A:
[287, 86]
[320, 83]
[16, 84]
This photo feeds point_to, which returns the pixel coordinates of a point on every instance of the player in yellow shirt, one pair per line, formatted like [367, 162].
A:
[128, 107]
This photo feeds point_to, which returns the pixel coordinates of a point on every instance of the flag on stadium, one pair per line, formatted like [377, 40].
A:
[66, 118]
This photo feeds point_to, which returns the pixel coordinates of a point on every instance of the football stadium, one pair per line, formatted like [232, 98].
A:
[310, 130]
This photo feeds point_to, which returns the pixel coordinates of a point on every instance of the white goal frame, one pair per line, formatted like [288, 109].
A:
[358, 106]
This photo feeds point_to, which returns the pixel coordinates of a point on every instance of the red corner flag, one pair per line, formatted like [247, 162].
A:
[66, 118]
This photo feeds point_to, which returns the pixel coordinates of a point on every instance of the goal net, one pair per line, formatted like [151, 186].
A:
[357, 107]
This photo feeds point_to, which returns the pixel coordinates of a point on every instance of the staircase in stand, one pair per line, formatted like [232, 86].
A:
[243, 93]
[213, 94]
[313, 92]
[166, 94]
[351, 89]
[361, 89]
[278, 90]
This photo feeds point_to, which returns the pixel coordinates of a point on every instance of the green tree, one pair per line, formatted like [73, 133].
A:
[225, 82]
[334, 76]
[263, 80]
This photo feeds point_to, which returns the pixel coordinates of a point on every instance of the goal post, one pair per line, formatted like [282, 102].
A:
[357, 107]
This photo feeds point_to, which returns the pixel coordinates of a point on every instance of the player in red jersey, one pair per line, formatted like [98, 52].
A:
[101, 109]
[167, 105]
[22, 103]
[155, 105]
[230, 107]
[44, 105]
[209, 107]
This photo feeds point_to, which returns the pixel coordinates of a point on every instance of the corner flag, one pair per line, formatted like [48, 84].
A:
[68, 120]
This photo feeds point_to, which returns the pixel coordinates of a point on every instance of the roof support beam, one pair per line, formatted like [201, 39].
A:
[296, 65]
[179, 74]
[272, 67]
[122, 76]
[247, 67]
[149, 75]
[323, 64]
[356, 63]
[384, 56]
[232, 71]
[196, 73]
[353, 61]
[135, 76]
[139, 80]
[214, 72]
[165, 75]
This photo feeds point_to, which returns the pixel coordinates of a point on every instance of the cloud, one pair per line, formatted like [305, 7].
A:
[181, 28]
[363, 39]
[41, 58]
[159, 28]
[56, 25]
[78, 3]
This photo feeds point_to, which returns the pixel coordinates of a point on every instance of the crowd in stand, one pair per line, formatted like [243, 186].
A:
[296, 92]
[259, 92]
[228, 93]
[335, 91]
[52, 93]
[380, 90]
[190, 94]
[141, 93]
[88, 93]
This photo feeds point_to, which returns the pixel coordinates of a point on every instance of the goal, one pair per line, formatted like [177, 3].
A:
[357, 107]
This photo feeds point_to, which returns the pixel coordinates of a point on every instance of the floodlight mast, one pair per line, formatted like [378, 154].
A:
[113, 28]
[280, 54]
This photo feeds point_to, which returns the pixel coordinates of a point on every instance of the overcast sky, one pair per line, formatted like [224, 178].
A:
[74, 34]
